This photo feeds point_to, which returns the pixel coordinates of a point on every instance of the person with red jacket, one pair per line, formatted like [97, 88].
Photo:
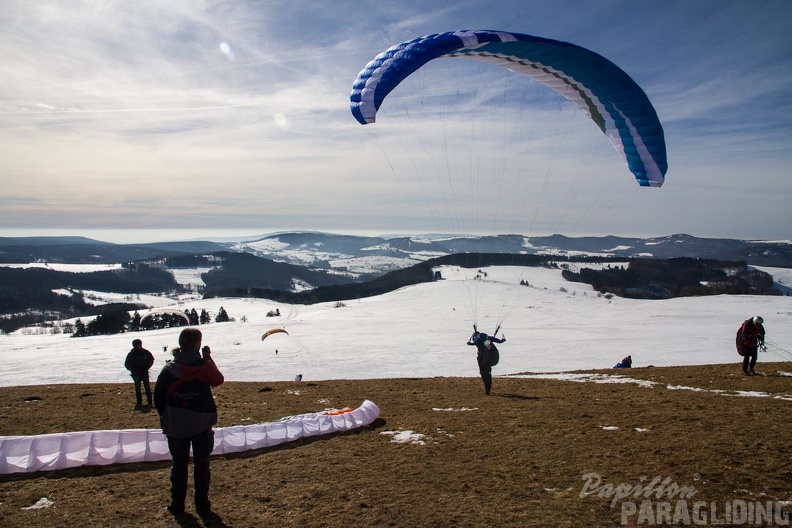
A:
[750, 337]
[183, 398]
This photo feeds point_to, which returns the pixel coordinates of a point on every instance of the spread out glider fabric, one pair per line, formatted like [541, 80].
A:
[167, 311]
[21, 454]
[599, 88]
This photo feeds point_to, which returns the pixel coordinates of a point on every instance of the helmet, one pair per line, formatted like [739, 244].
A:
[758, 320]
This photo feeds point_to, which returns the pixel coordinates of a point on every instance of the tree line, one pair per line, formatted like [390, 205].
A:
[119, 321]
[35, 295]
[677, 277]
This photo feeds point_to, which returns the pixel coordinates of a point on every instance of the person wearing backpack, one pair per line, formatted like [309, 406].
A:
[487, 356]
[624, 363]
[750, 337]
[138, 362]
[183, 398]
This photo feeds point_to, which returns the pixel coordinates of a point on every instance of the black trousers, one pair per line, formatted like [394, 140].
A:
[749, 359]
[202, 445]
[138, 380]
[486, 375]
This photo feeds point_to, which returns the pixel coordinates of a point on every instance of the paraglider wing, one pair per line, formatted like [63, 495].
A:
[48, 452]
[169, 311]
[273, 331]
[610, 97]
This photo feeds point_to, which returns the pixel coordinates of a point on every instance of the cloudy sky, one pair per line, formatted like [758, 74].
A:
[209, 114]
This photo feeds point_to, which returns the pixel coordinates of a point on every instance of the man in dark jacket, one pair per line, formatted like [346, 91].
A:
[487, 356]
[750, 337]
[138, 362]
[183, 398]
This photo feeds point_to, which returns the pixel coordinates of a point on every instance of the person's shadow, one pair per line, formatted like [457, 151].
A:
[210, 520]
[514, 396]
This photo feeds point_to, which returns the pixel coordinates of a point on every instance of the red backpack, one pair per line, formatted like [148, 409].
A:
[739, 339]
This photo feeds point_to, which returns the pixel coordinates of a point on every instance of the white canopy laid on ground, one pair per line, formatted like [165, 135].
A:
[21, 454]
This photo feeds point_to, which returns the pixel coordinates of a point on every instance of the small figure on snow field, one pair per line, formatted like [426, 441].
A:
[187, 410]
[487, 356]
[750, 337]
[138, 362]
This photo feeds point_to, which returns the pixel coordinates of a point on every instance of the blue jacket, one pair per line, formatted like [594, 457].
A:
[486, 357]
[479, 338]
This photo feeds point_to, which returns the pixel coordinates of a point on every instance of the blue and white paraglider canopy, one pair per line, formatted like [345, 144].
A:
[602, 90]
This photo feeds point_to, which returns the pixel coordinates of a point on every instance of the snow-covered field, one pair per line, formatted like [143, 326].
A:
[420, 331]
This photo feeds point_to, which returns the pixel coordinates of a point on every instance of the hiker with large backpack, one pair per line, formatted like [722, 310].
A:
[750, 337]
[487, 356]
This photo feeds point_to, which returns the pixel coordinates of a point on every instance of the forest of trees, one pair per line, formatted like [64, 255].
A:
[34, 295]
[678, 277]
[118, 321]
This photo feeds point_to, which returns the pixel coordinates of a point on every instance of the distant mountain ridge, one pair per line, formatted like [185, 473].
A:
[365, 255]
[315, 267]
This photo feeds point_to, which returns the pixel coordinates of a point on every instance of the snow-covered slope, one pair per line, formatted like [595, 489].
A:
[421, 331]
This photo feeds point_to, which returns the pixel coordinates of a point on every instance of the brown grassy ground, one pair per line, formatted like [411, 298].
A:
[516, 459]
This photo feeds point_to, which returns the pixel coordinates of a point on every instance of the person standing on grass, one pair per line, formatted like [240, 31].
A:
[183, 398]
[750, 337]
[138, 362]
[487, 356]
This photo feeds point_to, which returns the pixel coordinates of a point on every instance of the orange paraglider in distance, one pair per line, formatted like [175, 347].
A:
[273, 331]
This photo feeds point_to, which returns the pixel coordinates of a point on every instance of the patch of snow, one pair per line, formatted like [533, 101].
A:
[98, 298]
[189, 276]
[405, 437]
[607, 378]
[752, 394]
[300, 285]
[70, 268]
[43, 502]
[589, 378]
[682, 387]
[269, 244]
